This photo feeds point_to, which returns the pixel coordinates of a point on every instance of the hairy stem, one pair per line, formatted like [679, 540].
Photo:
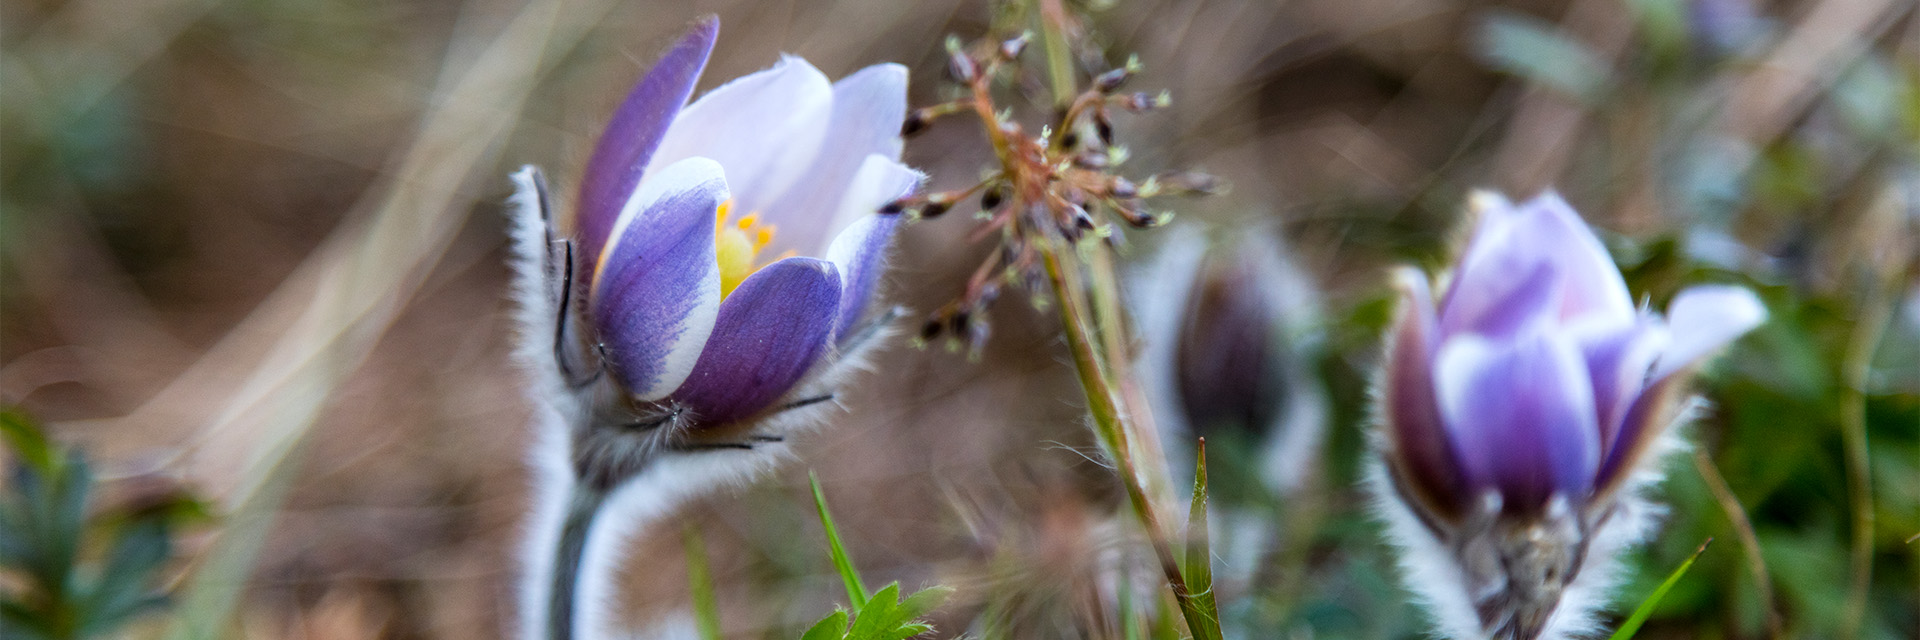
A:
[584, 504]
[1110, 425]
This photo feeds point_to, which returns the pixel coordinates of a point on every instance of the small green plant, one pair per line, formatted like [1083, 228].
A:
[76, 574]
[883, 615]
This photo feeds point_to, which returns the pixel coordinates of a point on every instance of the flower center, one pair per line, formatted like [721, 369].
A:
[737, 244]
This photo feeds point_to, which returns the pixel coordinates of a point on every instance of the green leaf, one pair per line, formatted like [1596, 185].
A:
[878, 616]
[1539, 52]
[1645, 610]
[28, 441]
[706, 612]
[121, 590]
[924, 601]
[832, 627]
[1203, 616]
[856, 591]
[906, 630]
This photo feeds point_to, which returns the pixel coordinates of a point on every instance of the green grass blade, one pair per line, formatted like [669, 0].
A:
[856, 591]
[1200, 556]
[1645, 610]
[706, 611]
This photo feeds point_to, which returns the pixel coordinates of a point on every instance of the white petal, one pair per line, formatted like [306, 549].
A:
[865, 118]
[763, 127]
[1705, 318]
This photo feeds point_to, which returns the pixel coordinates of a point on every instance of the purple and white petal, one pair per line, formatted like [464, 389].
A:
[764, 127]
[1529, 296]
[858, 250]
[1521, 415]
[1705, 318]
[1543, 230]
[1415, 430]
[657, 291]
[621, 156]
[859, 255]
[1619, 360]
[868, 109]
[1594, 285]
[770, 332]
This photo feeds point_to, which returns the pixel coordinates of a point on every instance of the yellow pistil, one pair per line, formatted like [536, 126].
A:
[738, 246]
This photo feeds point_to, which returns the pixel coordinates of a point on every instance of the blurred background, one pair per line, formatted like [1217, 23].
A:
[253, 251]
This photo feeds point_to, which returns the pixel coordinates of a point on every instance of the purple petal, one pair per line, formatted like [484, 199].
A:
[1704, 319]
[1421, 449]
[1648, 416]
[1620, 360]
[858, 255]
[658, 288]
[621, 155]
[868, 109]
[1506, 307]
[860, 250]
[764, 127]
[1545, 230]
[1521, 415]
[771, 331]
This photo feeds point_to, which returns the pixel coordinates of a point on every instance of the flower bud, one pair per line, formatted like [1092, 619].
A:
[1228, 333]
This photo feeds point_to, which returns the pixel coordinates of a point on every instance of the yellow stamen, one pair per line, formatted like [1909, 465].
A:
[737, 246]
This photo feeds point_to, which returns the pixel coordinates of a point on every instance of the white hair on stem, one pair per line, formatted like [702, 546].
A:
[1438, 585]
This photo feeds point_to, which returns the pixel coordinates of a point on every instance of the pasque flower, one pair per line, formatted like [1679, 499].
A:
[1521, 411]
[1229, 329]
[728, 245]
[1229, 325]
[717, 276]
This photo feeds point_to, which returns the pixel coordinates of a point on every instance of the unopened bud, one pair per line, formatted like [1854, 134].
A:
[1112, 80]
[937, 204]
[1081, 218]
[1188, 183]
[962, 66]
[1141, 101]
[1012, 47]
[917, 121]
[995, 195]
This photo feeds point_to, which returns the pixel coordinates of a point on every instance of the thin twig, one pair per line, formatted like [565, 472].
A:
[1742, 527]
[1861, 345]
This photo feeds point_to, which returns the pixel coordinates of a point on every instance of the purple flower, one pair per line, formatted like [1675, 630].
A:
[1519, 410]
[1229, 330]
[730, 245]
